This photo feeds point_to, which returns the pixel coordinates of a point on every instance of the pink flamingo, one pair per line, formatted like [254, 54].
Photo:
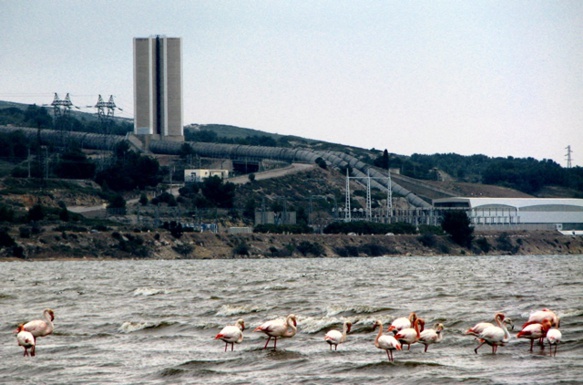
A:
[386, 342]
[409, 335]
[554, 337]
[494, 335]
[535, 331]
[431, 336]
[40, 328]
[25, 339]
[334, 337]
[402, 323]
[232, 334]
[279, 328]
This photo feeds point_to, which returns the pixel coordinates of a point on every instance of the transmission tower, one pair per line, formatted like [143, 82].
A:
[61, 107]
[568, 155]
[347, 205]
[368, 197]
[61, 111]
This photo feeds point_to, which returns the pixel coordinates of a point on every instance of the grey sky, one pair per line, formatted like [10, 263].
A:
[500, 78]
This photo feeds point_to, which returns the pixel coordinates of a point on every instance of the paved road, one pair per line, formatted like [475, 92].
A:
[276, 173]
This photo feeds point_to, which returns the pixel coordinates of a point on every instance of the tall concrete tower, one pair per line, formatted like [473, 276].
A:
[158, 88]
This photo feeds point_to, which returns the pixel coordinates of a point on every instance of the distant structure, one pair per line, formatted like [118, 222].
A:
[158, 88]
[568, 155]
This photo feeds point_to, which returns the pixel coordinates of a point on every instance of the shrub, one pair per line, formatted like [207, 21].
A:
[457, 225]
[306, 247]
[5, 239]
[241, 249]
[484, 245]
[427, 239]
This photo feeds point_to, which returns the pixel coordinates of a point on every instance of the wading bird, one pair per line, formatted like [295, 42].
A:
[431, 336]
[40, 327]
[535, 331]
[494, 335]
[554, 337]
[279, 328]
[25, 339]
[232, 334]
[387, 342]
[334, 337]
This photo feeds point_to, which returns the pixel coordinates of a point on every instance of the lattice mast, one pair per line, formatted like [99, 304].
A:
[568, 155]
[347, 201]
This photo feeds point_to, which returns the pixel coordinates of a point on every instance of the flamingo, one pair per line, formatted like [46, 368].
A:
[334, 337]
[402, 323]
[25, 339]
[40, 327]
[554, 337]
[494, 335]
[540, 315]
[431, 336]
[409, 335]
[386, 342]
[232, 334]
[279, 328]
[479, 327]
[535, 331]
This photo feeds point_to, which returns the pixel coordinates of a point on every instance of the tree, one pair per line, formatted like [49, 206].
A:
[457, 225]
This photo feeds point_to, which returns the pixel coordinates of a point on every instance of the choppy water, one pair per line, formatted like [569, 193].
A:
[153, 322]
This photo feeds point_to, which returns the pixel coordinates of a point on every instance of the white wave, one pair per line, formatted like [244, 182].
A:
[130, 326]
[232, 310]
[148, 291]
[362, 309]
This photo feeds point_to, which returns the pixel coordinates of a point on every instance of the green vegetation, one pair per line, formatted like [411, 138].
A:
[457, 225]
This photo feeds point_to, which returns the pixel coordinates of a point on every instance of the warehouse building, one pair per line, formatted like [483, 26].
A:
[561, 214]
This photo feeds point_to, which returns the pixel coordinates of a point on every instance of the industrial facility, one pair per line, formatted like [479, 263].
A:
[518, 213]
[158, 88]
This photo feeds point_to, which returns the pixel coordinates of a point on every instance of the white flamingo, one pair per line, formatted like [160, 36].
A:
[279, 328]
[540, 315]
[479, 327]
[334, 337]
[535, 331]
[554, 337]
[386, 342]
[25, 339]
[40, 327]
[409, 336]
[401, 323]
[494, 335]
[431, 336]
[232, 334]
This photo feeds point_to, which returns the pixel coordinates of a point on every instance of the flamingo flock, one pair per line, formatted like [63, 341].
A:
[26, 334]
[542, 325]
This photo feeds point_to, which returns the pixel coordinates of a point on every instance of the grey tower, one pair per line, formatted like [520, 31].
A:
[158, 87]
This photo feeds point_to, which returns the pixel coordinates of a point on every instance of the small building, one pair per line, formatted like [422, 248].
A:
[200, 174]
[518, 213]
[273, 218]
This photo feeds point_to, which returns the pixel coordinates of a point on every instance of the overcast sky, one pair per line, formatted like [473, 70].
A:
[499, 78]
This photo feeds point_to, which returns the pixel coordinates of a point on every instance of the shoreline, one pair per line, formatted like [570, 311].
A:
[70, 246]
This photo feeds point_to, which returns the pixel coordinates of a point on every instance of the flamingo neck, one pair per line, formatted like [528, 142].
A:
[379, 335]
[290, 324]
[503, 327]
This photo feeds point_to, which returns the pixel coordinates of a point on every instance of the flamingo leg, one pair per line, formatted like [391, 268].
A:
[226, 346]
[425, 351]
[531, 344]
[335, 347]
[232, 345]
[269, 339]
[479, 346]
[274, 343]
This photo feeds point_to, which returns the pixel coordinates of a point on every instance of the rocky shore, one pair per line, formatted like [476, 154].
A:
[52, 245]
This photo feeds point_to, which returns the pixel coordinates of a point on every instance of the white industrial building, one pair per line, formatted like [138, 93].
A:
[518, 213]
[200, 174]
